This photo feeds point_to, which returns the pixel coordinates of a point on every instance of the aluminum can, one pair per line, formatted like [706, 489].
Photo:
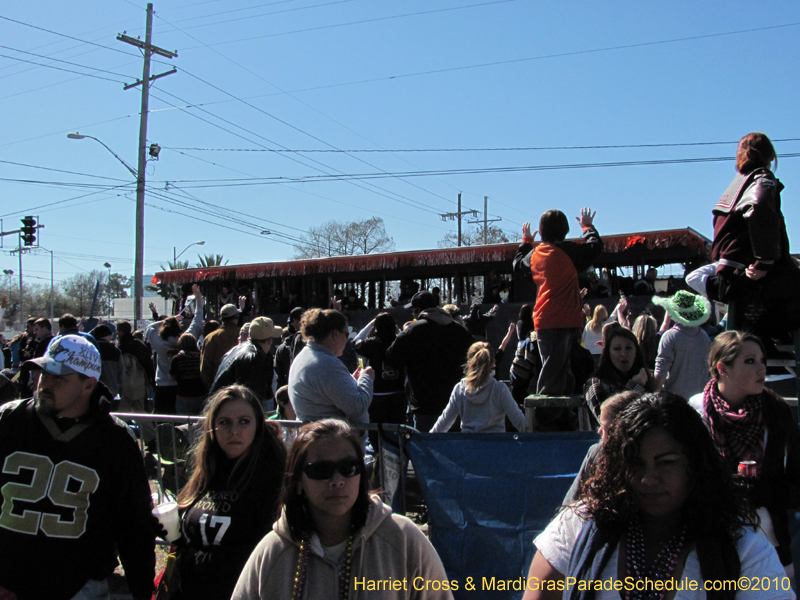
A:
[748, 468]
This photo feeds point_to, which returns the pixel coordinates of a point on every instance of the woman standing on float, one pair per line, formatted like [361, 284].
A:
[751, 246]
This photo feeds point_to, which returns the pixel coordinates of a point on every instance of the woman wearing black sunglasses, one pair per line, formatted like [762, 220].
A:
[334, 540]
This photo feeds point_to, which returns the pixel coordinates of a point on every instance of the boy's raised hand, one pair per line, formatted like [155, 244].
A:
[587, 217]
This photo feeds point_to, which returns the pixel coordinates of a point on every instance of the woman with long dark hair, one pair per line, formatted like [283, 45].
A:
[524, 322]
[332, 539]
[750, 422]
[230, 501]
[659, 509]
[185, 370]
[621, 368]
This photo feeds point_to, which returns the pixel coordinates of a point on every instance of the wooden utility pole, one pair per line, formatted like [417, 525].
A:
[149, 50]
[458, 215]
[486, 220]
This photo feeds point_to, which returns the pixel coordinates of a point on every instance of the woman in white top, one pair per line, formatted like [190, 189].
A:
[660, 506]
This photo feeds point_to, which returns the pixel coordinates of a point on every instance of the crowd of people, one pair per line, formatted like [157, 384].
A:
[694, 475]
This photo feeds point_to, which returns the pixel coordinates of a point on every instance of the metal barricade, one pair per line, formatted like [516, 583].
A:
[403, 432]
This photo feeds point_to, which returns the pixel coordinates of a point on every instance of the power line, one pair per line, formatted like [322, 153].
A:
[367, 176]
[528, 59]
[8, 162]
[69, 37]
[231, 11]
[421, 205]
[282, 121]
[48, 205]
[326, 198]
[277, 12]
[508, 149]
[59, 68]
[383, 193]
[66, 62]
[362, 22]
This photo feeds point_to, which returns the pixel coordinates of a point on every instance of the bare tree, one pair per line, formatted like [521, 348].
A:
[335, 238]
[474, 237]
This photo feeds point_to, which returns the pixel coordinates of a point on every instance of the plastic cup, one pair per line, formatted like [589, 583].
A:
[167, 515]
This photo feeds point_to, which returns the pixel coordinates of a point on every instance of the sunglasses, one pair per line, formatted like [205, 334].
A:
[324, 469]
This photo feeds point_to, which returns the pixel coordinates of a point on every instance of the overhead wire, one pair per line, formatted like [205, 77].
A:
[66, 62]
[295, 159]
[321, 197]
[269, 14]
[528, 59]
[274, 117]
[233, 10]
[502, 149]
[68, 36]
[361, 22]
[61, 69]
[420, 205]
[8, 162]
[366, 176]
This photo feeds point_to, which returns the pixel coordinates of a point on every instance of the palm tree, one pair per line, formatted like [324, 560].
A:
[170, 291]
[210, 260]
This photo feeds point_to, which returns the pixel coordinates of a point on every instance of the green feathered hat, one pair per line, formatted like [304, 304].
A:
[686, 308]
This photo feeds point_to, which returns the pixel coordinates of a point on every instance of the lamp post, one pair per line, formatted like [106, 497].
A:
[175, 256]
[110, 305]
[138, 263]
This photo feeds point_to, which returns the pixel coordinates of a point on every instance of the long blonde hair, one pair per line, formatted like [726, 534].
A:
[598, 318]
[480, 360]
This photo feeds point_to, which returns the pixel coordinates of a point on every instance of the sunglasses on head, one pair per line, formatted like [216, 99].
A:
[324, 469]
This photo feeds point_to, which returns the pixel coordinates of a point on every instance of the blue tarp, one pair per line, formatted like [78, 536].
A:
[489, 494]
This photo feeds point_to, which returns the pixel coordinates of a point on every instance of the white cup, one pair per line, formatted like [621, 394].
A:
[167, 515]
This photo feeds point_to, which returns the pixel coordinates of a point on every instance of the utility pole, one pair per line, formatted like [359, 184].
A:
[149, 50]
[458, 215]
[486, 220]
[21, 304]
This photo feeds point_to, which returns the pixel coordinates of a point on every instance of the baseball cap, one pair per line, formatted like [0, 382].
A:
[262, 328]
[68, 354]
[228, 311]
[422, 300]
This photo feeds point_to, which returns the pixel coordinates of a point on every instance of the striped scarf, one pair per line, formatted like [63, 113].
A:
[738, 434]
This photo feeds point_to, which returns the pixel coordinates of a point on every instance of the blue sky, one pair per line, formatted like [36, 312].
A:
[254, 77]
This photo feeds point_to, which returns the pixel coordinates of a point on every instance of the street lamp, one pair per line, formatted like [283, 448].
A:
[138, 263]
[110, 306]
[175, 257]
[78, 136]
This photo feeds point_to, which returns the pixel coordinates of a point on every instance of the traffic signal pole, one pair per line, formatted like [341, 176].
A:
[26, 234]
[21, 302]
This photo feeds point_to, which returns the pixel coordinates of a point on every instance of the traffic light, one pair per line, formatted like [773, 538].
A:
[29, 231]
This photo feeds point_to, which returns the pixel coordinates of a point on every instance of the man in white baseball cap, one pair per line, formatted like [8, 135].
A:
[92, 497]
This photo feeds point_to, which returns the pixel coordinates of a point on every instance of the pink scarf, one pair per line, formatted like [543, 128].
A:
[738, 434]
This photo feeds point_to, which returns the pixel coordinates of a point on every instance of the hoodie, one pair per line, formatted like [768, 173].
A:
[388, 549]
[483, 411]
